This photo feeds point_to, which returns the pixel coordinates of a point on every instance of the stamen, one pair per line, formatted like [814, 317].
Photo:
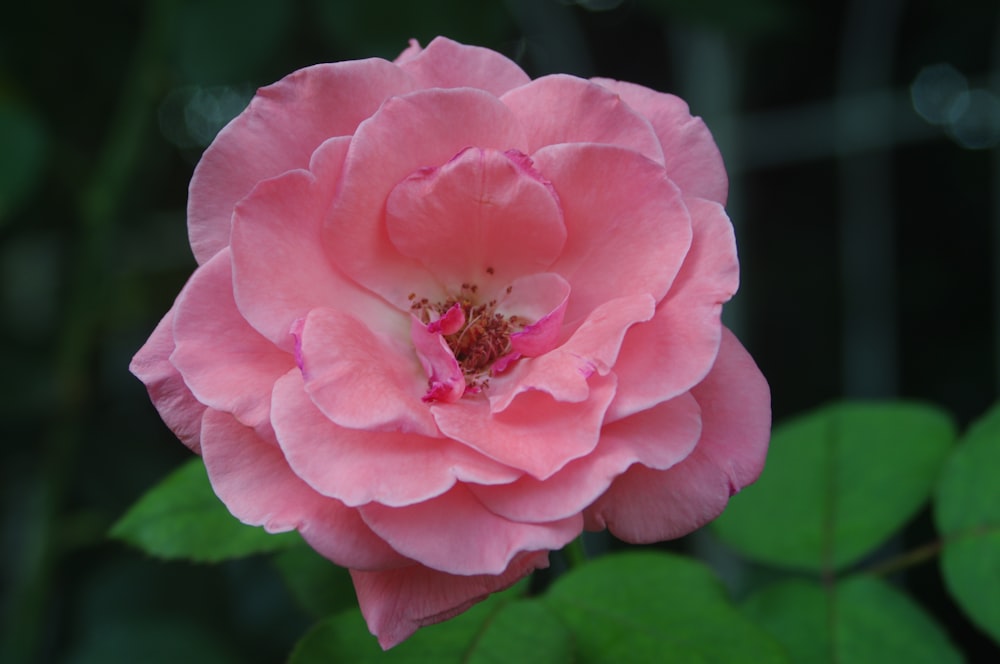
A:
[482, 338]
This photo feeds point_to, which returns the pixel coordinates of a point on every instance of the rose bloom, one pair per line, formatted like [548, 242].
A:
[445, 317]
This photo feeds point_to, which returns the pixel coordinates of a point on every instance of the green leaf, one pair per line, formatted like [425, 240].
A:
[647, 607]
[181, 517]
[499, 630]
[838, 483]
[319, 586]
[859, 620]
[967, 512]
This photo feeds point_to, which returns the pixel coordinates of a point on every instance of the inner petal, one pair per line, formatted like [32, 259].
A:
[484, 216]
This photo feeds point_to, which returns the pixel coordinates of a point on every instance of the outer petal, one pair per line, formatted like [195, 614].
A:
[657, 438]
[280, 129]
[173, 400]
[633, 226]
[565, 109]
[536, 433]
[693, 159]
[481, 218]
[454, 533]
[646, 505]
[280, 267]
[361, 379]
[358, 467]
[448, 64]
[397, 602]
[669, 354]
[426, 128]
[251, 477]
[226, 363]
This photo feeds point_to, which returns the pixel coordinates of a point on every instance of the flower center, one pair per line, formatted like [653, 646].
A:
[483, 337]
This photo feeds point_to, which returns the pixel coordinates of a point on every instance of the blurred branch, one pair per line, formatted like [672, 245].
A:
[86, 308]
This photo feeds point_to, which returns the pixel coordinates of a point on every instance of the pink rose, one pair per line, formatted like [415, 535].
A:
[446, 317]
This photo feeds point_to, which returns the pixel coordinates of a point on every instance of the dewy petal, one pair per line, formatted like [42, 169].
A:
[480, 218]
[278, 132]
[692, 157]
[358, 467]
[171, 397]
[674, 351]
[226, 363]
[422, 129]
[361, 379]
[564, 373]
[536, 433]
[566, 109]
[634, 225]
[448, 64]
[454, 533]
[395, 603]
[446, 384]
[658, 438]
[280, 267]
[251, 477]
[647, 505]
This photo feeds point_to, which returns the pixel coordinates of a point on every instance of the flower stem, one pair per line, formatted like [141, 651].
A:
[908, 559]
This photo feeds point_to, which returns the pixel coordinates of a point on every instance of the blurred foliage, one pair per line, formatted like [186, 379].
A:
[813, 506]
[638, 607]
[24, 143]
[182, 518]
[104, 108]
[967, 512]
[861, 620]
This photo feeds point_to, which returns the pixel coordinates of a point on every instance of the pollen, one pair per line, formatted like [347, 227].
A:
[482, 340]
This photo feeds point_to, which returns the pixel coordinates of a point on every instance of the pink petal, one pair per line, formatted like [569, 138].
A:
[674, 351]
[454, 533]
[171, 397]
[412, 50]
[565, 109]
[445, 381]
[536, 433]
[358, 467]
[251, 477]
[278, 132]
[419, 130]
[646, 505]
[227, 364]
[397, 602]
[450, 323]
[658, 438]
[564, 372]
[362, 379]
[448, 64]
[542, 299]
[480, 219]
[692, 157]
[280, 267]
[633, 226]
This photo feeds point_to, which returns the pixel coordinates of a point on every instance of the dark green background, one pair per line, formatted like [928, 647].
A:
[105, 107]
